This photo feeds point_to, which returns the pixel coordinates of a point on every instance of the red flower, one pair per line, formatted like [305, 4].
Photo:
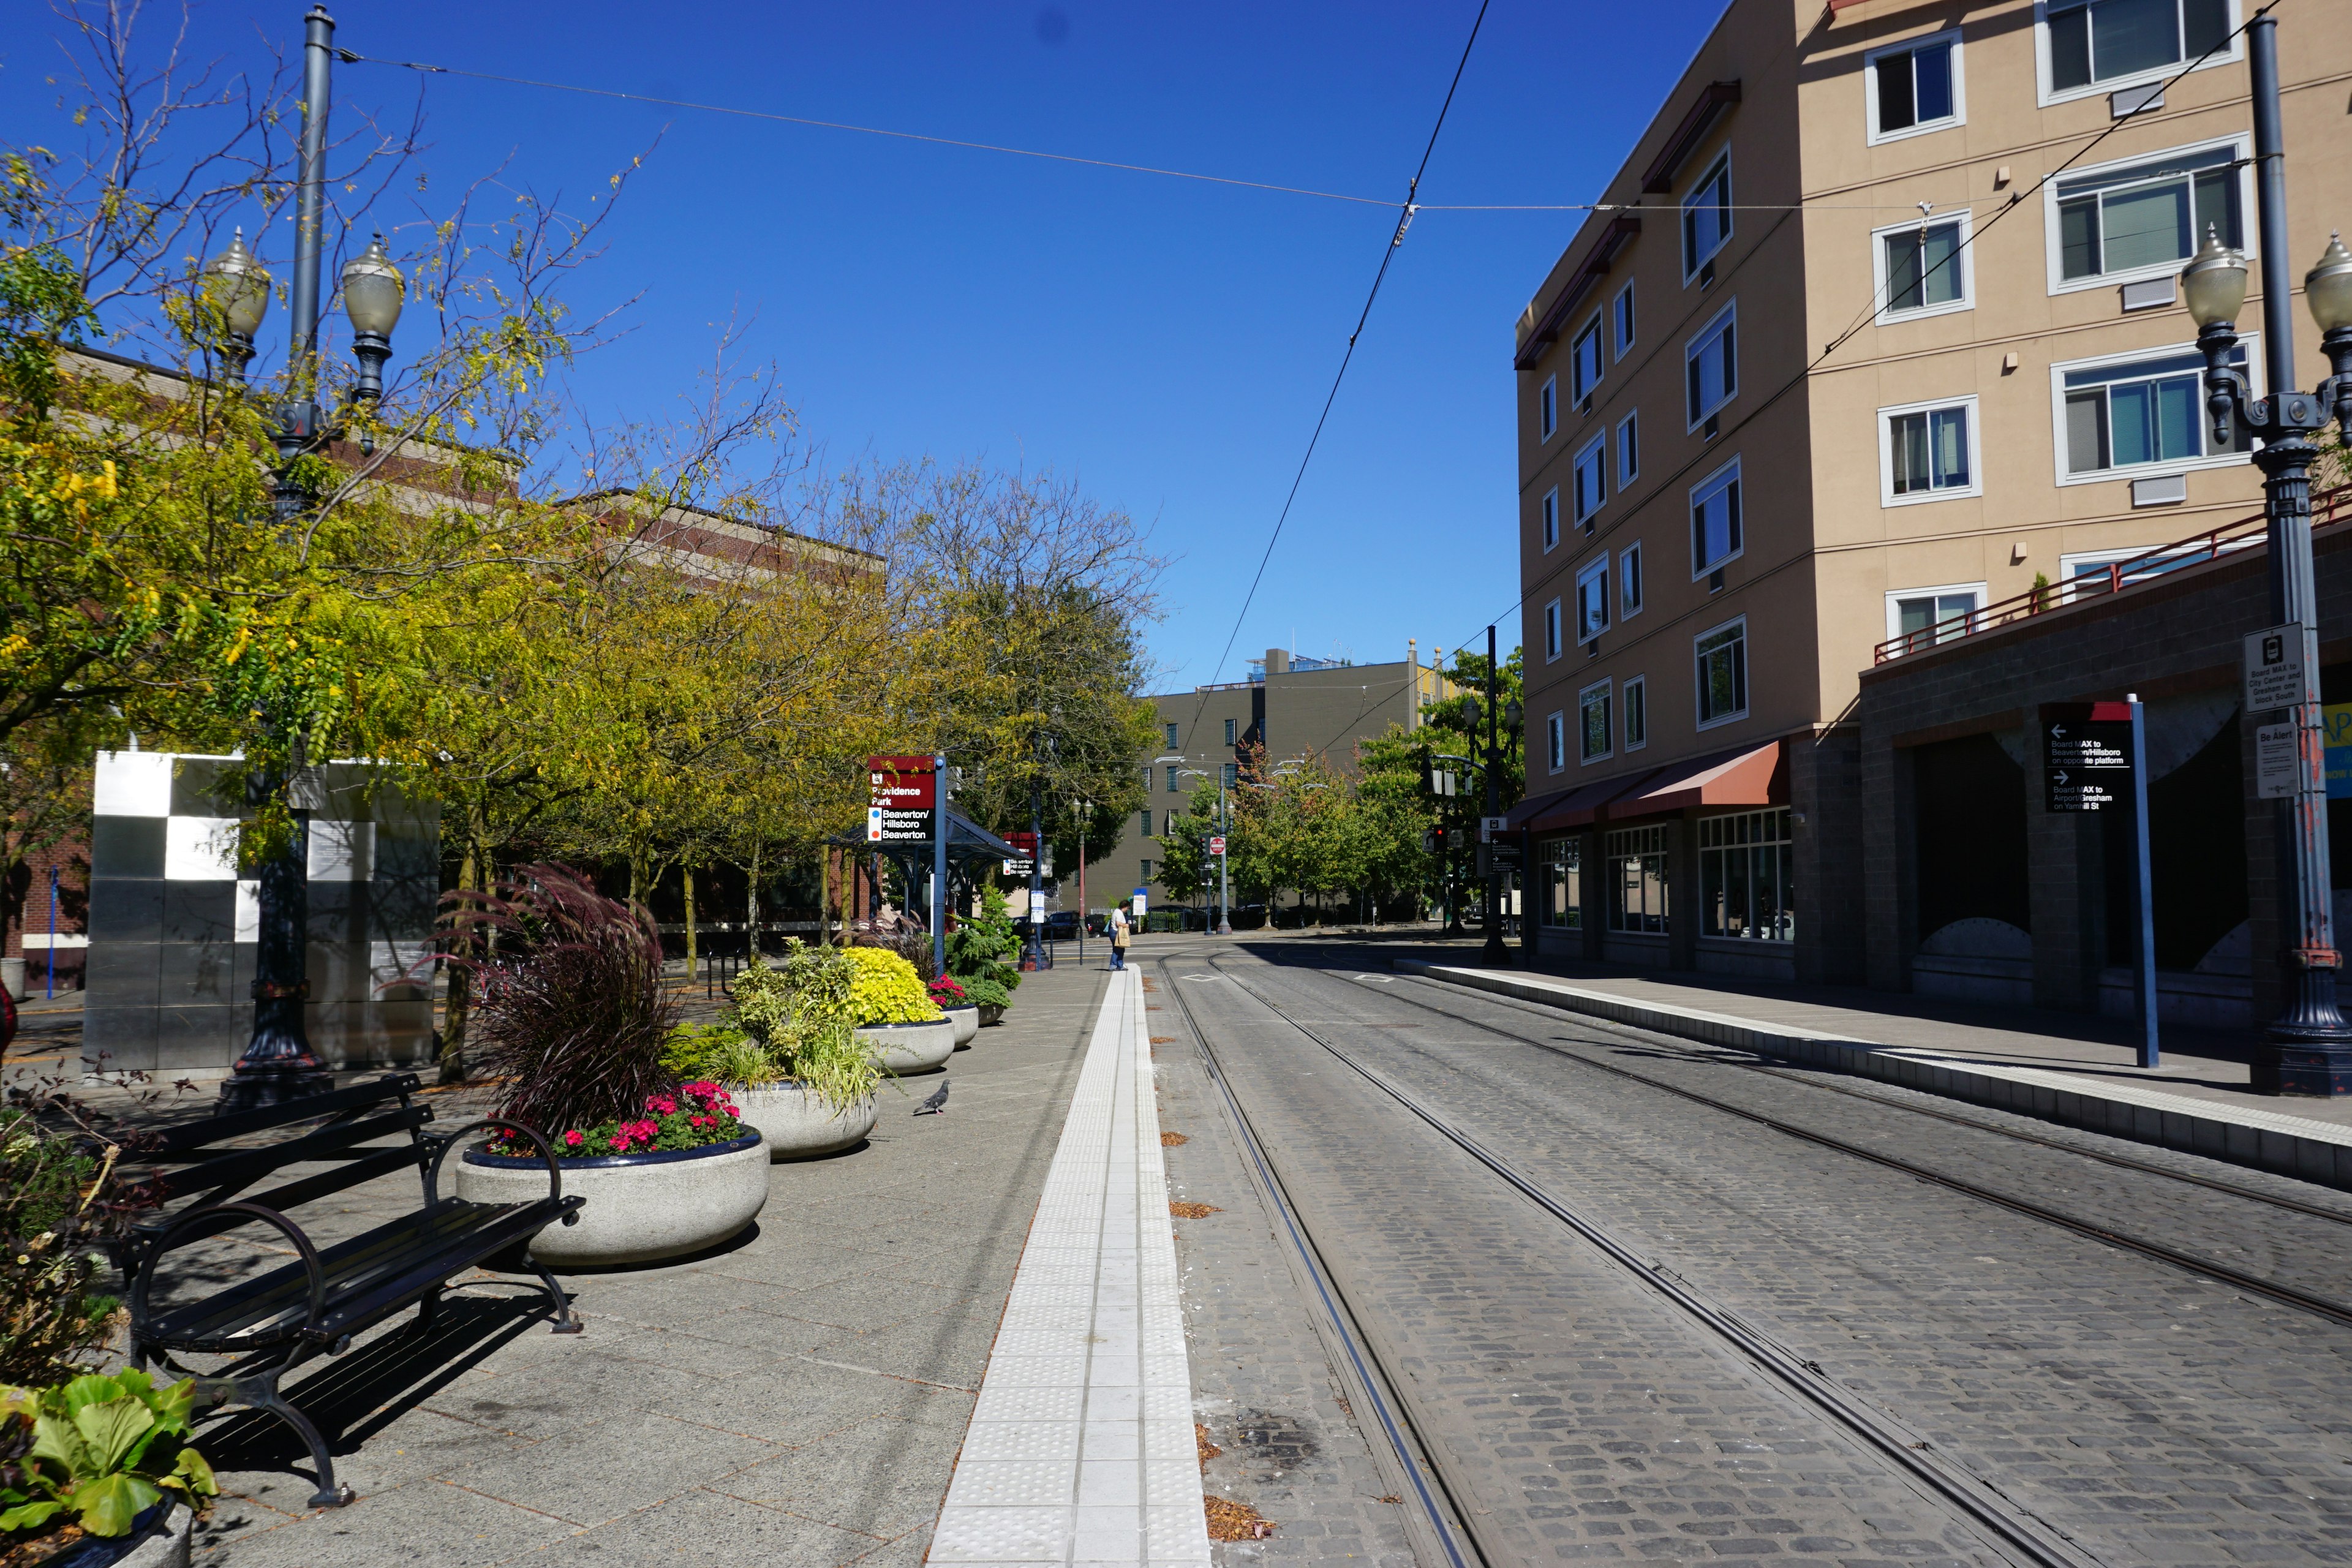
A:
[573, 1138]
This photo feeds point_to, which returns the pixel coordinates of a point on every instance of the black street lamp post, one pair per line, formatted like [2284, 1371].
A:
[1493, 951]
[2307, 1049]
[279, 1064]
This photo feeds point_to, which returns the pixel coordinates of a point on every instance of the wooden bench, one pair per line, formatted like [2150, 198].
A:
[274, 1323]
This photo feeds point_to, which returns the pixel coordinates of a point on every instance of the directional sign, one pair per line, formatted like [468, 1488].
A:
[1490, 825]
[1020, 865]
[904, 800]
[2086, 755]
[1216, 843]
[2276, 659]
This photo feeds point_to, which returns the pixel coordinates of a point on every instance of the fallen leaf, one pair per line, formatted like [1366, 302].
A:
[1208, 1450]
[1173, 1140]
[1231, 1520]
[1192, 1211]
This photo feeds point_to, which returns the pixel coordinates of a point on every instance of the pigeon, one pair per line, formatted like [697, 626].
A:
[937, 1105]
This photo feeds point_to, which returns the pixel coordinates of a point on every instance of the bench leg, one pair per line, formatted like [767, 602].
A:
[565, 1323]
[261, 1393]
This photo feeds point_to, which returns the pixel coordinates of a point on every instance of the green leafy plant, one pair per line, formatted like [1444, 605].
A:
[59, 1199]
[98, 1452]
[800, 1019]
[980, 953]
[885, 989]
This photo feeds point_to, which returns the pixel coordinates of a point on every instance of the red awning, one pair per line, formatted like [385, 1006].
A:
[1755, 775]
[1525, 811]
[1581, 806]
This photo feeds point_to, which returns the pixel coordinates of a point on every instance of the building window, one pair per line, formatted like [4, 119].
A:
[1593, 724]
[1629, 581]
[1923, 270]
[1147, 872]
[1229, 730]
[2134, 413]
[1927, 452]
[1925, 616]
[1590, 481]
[1147, 777]
[1593, 600]
[1715, 533]
[2144, 219]
[1560, 895]
[1706, 217]
[1171, 736]
[1548, 408]
[1629, 448]
[1147, 821]
[1556, 738]
[1172, 778]
[2107, 40]
[1585, 361]
[1623, 312]
[1914, 86]
[1233, 775]
[1721, 656]
[1551, 629]
[1636, 702]
[1550, 517]
[1637, 879]
[1711, 366]
[1746, 876]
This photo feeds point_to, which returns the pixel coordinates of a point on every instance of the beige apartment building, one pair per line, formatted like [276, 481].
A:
[1904, 275]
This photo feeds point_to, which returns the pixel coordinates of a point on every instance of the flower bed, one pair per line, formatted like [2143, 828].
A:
[696, 1116]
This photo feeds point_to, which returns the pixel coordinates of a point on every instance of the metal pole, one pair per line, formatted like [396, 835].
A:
[938, 865]
[1035, 958]
[53, 940]
[1225, 882]
[2148, 1054]
[1085, 808]
[1495, 952]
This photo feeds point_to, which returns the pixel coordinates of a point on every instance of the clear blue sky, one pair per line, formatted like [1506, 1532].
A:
[1169, 342]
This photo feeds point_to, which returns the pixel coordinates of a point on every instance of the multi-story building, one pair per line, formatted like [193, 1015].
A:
[1291, 707]
[1904, 273]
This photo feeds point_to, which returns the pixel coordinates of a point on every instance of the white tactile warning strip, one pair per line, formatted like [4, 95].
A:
[1080, 1448]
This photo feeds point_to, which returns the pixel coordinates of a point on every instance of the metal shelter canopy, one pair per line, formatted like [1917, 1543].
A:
[970, 847]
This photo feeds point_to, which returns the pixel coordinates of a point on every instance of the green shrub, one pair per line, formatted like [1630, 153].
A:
[981, 953]
[97, 1452]
[885, 989]
[793, 1022]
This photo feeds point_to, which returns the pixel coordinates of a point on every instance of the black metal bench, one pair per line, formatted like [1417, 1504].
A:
[275, 1321]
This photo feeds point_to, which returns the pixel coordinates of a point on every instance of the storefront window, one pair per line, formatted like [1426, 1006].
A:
[1746, 876]
[1561, 887]
[1637, 879]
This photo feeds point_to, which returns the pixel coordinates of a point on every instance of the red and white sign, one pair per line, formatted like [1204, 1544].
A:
[1216, 843]
[902, 784]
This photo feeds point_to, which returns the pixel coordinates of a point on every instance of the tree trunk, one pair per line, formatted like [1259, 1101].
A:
[752, 906]
[460, 1005]
[686, 875]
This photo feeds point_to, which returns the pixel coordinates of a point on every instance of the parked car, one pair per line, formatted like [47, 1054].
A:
[1061, 925]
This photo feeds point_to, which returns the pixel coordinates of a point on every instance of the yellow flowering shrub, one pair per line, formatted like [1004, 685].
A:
[887, 990]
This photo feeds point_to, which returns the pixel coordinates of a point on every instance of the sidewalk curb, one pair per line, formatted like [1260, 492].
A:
[2261, 1140]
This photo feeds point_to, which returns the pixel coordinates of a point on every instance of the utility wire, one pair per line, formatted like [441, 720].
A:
[1388, 254]
[1869, 314]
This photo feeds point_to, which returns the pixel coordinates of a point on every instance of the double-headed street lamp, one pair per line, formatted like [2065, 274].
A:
[1224, 890]
[2307, 1049]
[279, 1064]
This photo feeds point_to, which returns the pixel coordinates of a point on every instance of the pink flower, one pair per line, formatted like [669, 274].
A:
[733, 1111]
[573, 1138]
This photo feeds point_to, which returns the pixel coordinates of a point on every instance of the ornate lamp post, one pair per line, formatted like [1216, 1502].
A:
[279, 1064]
[2307, 1049]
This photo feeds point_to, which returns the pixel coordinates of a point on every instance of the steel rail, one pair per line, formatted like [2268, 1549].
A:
[2007, 1525]
[1360, 1353]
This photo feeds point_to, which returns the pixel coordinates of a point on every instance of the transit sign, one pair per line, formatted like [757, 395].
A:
[2277, 765]
[2276, 660]
[1020, 865]
[2086, 755]
[903, 802]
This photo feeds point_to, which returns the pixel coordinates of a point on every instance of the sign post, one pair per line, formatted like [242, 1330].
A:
[940, 869]
[2091, 753]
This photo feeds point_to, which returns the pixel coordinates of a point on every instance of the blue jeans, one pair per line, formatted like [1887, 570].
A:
[1119, 957]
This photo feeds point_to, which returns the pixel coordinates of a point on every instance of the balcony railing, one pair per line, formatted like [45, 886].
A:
[2328, 508]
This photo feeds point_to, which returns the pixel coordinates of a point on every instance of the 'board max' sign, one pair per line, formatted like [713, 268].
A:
[2086, 755]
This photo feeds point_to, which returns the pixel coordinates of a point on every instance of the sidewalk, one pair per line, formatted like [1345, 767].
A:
[2198, 1099]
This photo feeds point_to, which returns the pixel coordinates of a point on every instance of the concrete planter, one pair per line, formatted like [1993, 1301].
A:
[640, 1207]
[902, 1049]
[967, 1022]
[797, 1125]
[990, 1015]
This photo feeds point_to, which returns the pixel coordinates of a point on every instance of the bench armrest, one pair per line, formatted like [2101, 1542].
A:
[206, 1220]
[450, 1141]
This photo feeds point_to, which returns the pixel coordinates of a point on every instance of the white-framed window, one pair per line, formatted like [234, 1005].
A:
[1711, 366]
[1927, 451]
[2144, 216]
[1720, 660]
[1717, 534]
[1548, 408]
[1556, 737]
[1551, 630]
[1585, 361]
[1636, 879]
[2124, 414]
[1622, 309]
[1594, 727]
[1559, 895]
[1748, 875]
[1636, 699]
[1590, 479]
[1933, 615]
[2099, 46]
[1629, 581]
[1706, 217]
[1551, 518]
[1921, 269]
[1915, 87]
[1593, 600]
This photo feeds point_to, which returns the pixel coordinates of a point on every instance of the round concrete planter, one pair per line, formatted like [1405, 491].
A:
[640, 1207]
[989, 1016]
[162, 1543]
[903, 1049]
[967, 1022]
[797, 1125]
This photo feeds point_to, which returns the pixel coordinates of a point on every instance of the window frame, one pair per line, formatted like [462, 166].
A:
[1593, 571]
[1629, 600]
[1694, 265]
[1648, 851]
[1232, 729]
[1691, 505]
[1144, 828]
[1622, 326]
[2053, 242]
[1886, 417]
[1889, 314]
[1598, 450]
[1547, 513]
[2251, 345]
[1556, 741]
[1548, 409]
[1594, 332]
[1555, 643]
[1741, 834]
[1145, 877]
[1873, 136]
[1629, 454]
[1603, 690]
[1633, 696]
[1894, 596]
[1698, 681]
[1170, 731]
[1175, 784]
[1727, 318]
[2046, 95]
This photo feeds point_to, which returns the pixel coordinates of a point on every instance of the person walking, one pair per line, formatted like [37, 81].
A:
[1118, 935]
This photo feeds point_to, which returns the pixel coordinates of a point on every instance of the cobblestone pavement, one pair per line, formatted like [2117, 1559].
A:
[798, 1400]
[2156, 1417]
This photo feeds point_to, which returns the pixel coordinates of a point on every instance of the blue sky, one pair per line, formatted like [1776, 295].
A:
[1167, 342]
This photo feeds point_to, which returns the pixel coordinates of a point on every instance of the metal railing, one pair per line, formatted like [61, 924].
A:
[2327, 508]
